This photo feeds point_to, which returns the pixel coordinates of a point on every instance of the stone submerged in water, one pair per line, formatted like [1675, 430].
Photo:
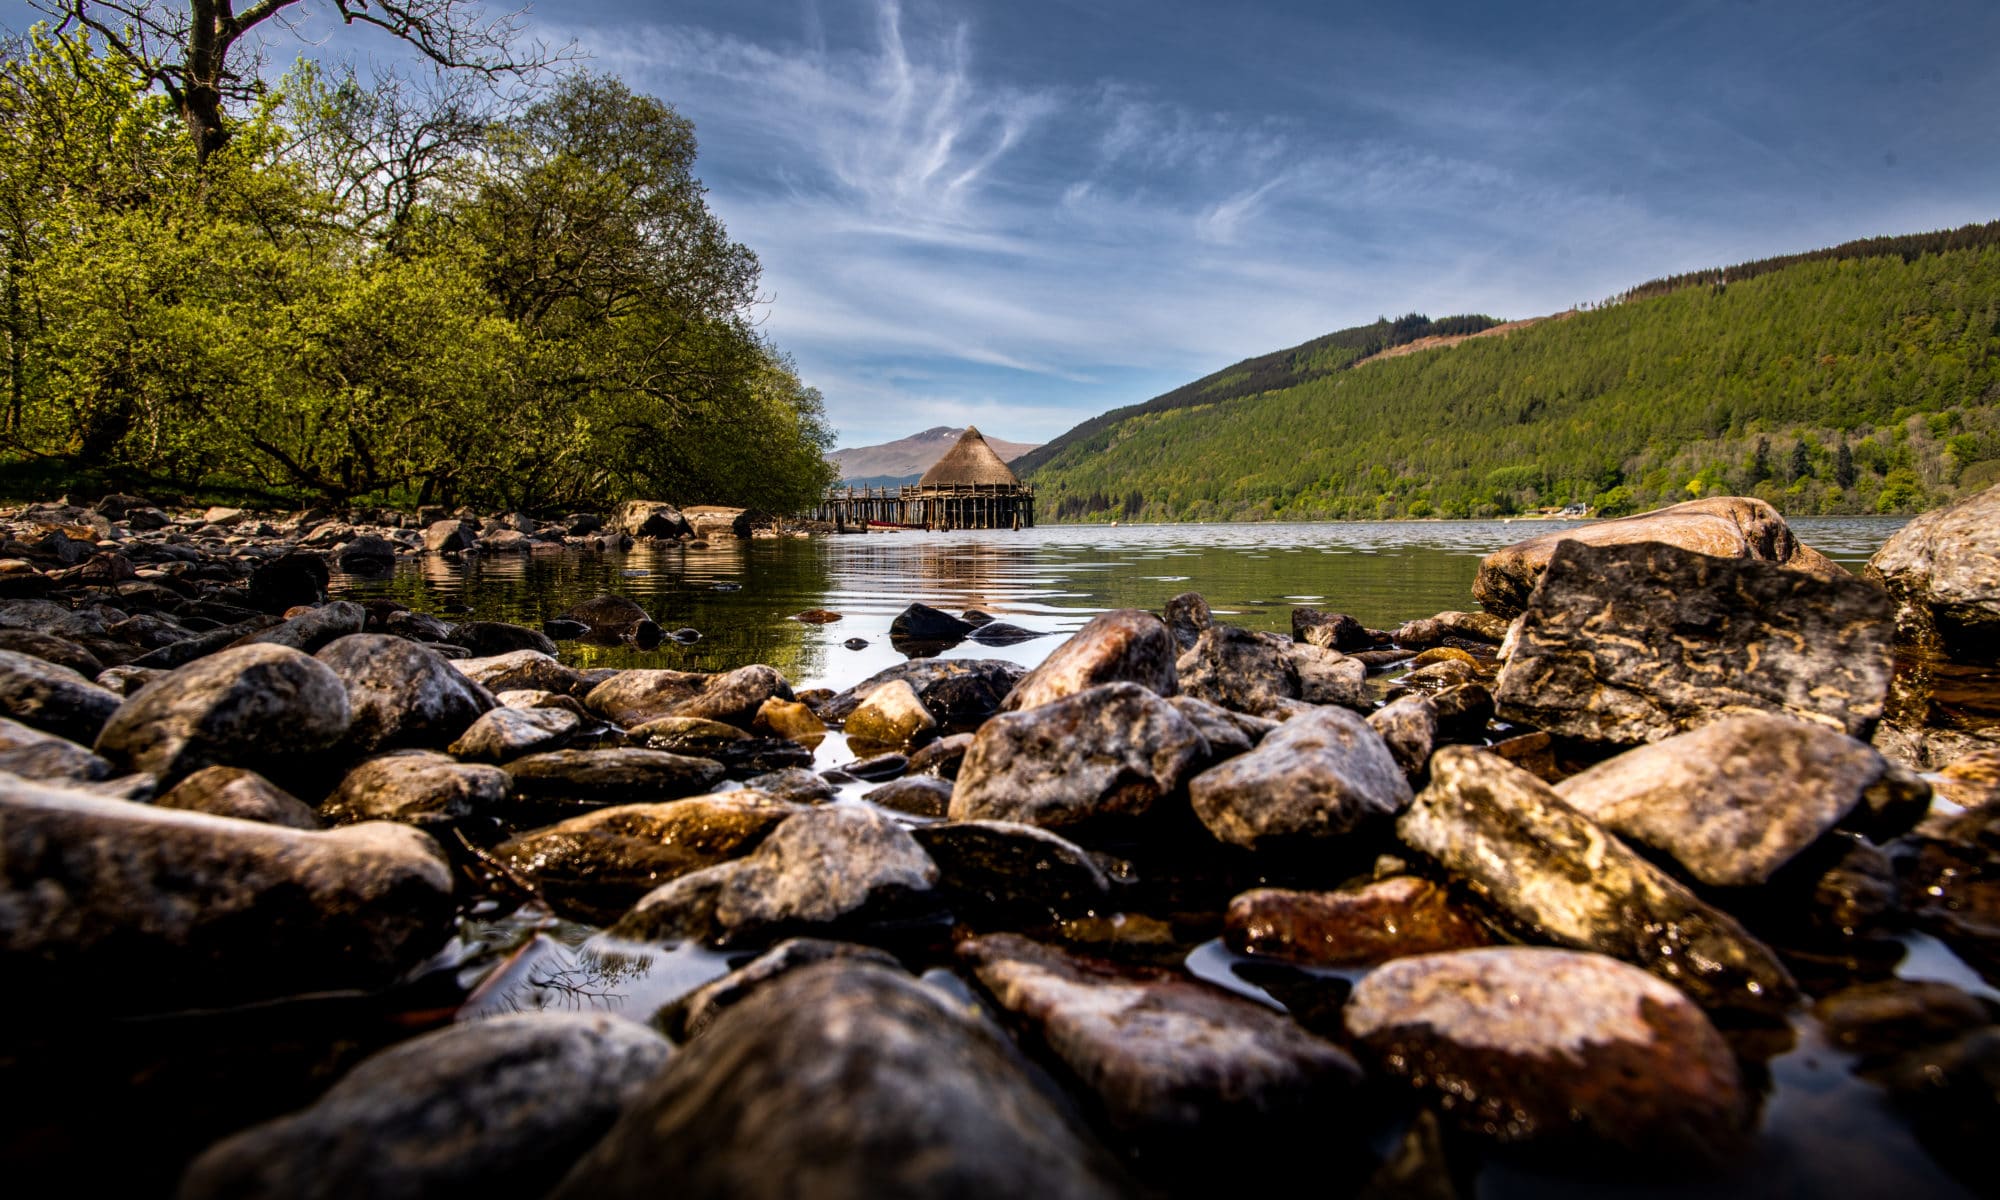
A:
[1735, 800]
[1390, 918]
[1942, 570]
[1127, 645]
[250, 707]
[1634, 643]
[599, 864]
[1112, 751]
[1322, 774]
[845, 1080]
[1732, 527]
[494, 1108]
[823, 869]
[134, 908]
[615, 619]
[1176, 1066]
[1557, 1049]
[1567, 880]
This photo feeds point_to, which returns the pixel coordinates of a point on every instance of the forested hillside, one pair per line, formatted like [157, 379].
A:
[1828, 384]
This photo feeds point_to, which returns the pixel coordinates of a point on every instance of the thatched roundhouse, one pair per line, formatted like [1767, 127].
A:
[969, 488]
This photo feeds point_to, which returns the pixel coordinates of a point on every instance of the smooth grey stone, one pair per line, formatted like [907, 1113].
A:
[250, 706]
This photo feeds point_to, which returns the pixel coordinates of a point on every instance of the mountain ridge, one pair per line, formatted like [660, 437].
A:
[906, 459]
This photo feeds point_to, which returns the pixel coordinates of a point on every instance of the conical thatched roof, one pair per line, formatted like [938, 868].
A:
[971, 461]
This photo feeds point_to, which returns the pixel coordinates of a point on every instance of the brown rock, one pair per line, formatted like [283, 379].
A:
[1127, 645]
[1390, 918]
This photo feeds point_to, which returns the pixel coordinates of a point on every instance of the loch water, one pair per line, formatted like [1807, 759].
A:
[1822, 1130]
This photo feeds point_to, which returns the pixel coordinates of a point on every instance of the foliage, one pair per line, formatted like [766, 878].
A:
[1831, 385]
[376, 294]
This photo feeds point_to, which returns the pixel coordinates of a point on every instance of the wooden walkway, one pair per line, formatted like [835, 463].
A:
[956, 506]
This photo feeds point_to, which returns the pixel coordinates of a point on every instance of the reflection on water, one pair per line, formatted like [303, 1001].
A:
[1048, 579]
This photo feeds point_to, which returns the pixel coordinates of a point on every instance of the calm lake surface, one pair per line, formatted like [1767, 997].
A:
[741, 595]
[1823, 1132]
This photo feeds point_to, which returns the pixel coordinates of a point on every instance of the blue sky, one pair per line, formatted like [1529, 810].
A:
[1022, 213]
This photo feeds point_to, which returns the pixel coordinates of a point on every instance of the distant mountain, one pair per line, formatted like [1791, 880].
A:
[906, 460]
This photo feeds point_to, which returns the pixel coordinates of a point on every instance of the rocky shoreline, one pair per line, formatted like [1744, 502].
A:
[1551, 882]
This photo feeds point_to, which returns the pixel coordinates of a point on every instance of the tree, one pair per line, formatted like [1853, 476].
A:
[205, 55]
[1843, 464]
[1801, 465]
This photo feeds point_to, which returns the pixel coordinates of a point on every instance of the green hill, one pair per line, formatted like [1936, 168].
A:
[1862, 378]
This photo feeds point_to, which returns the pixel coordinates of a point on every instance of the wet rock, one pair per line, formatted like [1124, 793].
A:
[651, 519]
[1010, 867]
[1737, 799]
[826, 868]
[50, 618]
[1534, 753]
[1566, 880]
[1463, 710]
[635, 697]
[186, 650]
[368, 555]
[252, 706]
[449, 537]
[493, 1108]
[1436, 676]
[39, 693]
[599, 864]
[795, 784]
[1331, 631]
[696, 1011]
[488, 638]
[817, 616]
[1409, 727]
[518, 670]
[134, 908]
[1390, 918]
[128, 679]
[760, 755]
[1187, 617]
[1112, 751]
[921, 674]
[593, 778]
[289, 581]
[1326, 676]
[311, 630]
[530, 698]
[504, 733]
[564, 630]
[789, 719]
[1942, 570]
[734, 697]
[416, 787]
[1172, 1063]
[1563, 1050]
[919, 796]
[60, 651]
[615, 619]
[922, 623]
[909, 1099]
[402, 694]
[1889, 1017]
[941, 758]
[34, 754]
[1730, 527]
[1221, 729]
[1972, 780]
[963, 702]
[1319, 775]
[239, 794]
[1239, 670]
[1637, 643]
[1126, 645]
[890, 718]
[686, 735]
[876, 768]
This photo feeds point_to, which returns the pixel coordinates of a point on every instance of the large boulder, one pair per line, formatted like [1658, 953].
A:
[1733, 527]
[402, 694]
[637, 696]
[845, 1080]
[615, 619]
[734, 697]
[56, 699]
[1126, 645]
[519, 670]
[1634, 643]
[252, 706]
[1566, 880]
[1114, 751]
[292, 579]
[498, 1108]
[1943, 572]
[1558, 1049]
[312, 629]
[134, 908]
[1735, 800]
[501, 734]
[1176, 1066]
[1322, 774]
[1241, 671]
[601, 863]
[825, 869]
[450, 537]
[651, 519]
[925, 674]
